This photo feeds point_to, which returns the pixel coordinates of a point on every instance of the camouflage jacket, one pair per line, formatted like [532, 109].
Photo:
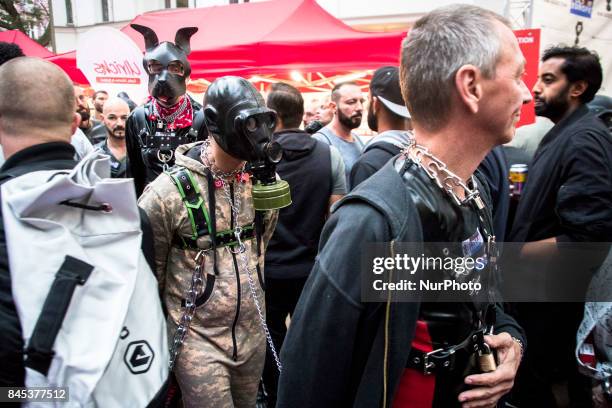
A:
[226, 315]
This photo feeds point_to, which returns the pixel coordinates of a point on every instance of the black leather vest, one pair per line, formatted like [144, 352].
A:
[458, 228]
[151, 144]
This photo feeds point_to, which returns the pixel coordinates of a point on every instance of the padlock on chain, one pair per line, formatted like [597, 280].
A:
[486, 358]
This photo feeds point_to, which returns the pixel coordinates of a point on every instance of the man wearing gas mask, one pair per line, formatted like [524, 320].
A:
[167, 120]
[212, 215]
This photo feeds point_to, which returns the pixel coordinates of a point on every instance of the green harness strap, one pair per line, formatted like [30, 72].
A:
[194, 203]
[198, 215]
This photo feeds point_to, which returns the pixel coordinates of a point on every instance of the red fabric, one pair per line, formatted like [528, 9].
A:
[67, 62]
[415, 389]
[29, 47]
[278, 36]
[586, 353]
[183, 120]
[266, 38]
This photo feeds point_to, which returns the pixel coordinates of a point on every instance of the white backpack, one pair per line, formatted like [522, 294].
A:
[74, 245]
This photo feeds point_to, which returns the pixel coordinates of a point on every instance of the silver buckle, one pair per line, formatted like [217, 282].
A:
[427, 365]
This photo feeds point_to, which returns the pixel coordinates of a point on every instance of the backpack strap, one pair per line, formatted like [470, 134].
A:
[194, 203]
[329, 142]
[39, 351]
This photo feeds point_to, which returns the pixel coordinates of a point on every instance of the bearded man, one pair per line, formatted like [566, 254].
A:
[114, 115]
[347, 102]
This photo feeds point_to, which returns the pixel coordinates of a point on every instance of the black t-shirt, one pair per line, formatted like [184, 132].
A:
[118, 167]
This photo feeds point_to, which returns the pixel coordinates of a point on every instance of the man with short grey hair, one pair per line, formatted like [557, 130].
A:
[351, 344]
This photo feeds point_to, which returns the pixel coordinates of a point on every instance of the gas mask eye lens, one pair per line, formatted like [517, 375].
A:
[251, 124]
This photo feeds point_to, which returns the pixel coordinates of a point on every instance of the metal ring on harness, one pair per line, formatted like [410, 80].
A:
[164, 157]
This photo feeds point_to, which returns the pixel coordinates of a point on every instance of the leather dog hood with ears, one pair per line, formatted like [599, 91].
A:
[165, 83]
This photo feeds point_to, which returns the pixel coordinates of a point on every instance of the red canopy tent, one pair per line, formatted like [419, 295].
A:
[268, 41]
[273, 37]
[30, 47]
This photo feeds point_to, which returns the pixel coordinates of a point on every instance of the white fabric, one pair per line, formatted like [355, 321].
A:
[597, 321]
[90, 358]
[81, 144]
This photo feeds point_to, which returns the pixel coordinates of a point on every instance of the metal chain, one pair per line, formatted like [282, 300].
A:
[235, 206]
[210, 164]
[262, 318]
[244, 263]
[172, 117]
[437, 170]
[189, 310]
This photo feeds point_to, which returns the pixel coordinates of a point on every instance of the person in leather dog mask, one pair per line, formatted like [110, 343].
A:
[168, 119]
[210, 244]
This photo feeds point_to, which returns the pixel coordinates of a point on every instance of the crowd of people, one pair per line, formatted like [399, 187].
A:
[254, 217]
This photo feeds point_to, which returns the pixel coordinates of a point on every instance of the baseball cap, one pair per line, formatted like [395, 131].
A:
[385, 86]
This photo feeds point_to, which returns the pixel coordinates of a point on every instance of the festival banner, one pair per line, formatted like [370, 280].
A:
[111, 61]
[529, 42]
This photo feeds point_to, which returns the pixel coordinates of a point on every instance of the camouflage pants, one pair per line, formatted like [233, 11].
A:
[206, 371]
[213, 380]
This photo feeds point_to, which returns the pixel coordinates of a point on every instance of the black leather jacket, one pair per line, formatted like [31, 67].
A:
[454, 231]
[359, 344]
[146, 143]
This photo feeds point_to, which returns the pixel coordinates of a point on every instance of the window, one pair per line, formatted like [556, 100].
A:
[182, 3]
[105, 10]
[69, 19]
[168, 3]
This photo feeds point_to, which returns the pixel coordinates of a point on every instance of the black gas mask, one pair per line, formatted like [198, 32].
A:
[167, 64]
[238, 119]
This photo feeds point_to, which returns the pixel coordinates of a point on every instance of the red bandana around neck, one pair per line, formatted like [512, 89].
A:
[183, 120]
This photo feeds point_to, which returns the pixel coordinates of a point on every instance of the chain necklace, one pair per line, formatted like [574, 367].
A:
[210, 164]
[448, 181]
[172, 117]
[437, 170]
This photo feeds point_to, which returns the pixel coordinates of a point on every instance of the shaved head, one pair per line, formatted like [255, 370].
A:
[114, 115]
[115, 103]
[36, 100]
